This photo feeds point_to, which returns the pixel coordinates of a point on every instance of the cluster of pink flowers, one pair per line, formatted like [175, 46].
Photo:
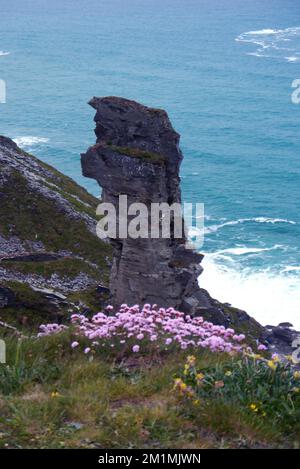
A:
[134, 328]
[50, 329]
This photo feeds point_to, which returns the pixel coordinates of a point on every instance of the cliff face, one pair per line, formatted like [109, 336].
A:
[137, 154]
[50, 256]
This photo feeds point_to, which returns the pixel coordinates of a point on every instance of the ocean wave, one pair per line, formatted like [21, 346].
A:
[291, 268]
[292, 59]
[271, 42]
[263, 32]
[256, 54]
[270, 297]
[29, 141]
[2, 53]
[214, 228]
[239, 251]
[270, 220]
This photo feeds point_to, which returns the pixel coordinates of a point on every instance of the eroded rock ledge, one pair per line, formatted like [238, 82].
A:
[137, 154]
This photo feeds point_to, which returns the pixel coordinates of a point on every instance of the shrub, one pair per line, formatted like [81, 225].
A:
[17, 375]
[265, 388]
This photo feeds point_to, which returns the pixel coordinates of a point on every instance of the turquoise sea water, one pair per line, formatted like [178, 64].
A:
[223, 70]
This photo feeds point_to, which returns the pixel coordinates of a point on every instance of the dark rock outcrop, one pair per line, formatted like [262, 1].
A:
[50, 256]
[137, 154]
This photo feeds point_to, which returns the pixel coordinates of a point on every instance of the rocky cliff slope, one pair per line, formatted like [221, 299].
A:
[137, 154]
[50, 256]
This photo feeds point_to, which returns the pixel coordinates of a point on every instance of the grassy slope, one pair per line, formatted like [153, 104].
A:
[30, 216]
[108, 404]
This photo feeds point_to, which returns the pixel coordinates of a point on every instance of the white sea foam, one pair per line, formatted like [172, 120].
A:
[256, 54]
[214, 228]
[268, 296]
[263, 32]
[2, 52]
[270, 42]
[239, 251]
[291, 268]
[292, 59]
[270, 220]
[29, 141]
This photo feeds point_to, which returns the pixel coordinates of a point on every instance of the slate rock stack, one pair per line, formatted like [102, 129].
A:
[137, 154]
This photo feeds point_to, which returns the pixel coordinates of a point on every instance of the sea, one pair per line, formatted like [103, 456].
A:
[224, 70]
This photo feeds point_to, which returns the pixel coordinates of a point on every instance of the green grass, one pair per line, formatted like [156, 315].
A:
[30, 216]
[147, 156]
[27, 214]
[54, 397]
[30, 307]
[64, 183]
[64, 267]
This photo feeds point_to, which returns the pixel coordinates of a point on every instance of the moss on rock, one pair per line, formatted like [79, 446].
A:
[147, 156]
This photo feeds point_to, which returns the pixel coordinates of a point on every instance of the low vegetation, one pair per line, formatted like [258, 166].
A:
[147, 156]
[56, 394]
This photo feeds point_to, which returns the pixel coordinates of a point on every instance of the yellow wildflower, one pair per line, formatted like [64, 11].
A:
[191, 360]
[254, 356]
[228, 373]
[253, 407]
[289, 358]
[272, 364]
[297, 375]
[199, 376]
[179, 383]
[55, 394]
[295, 389]
[196, 402]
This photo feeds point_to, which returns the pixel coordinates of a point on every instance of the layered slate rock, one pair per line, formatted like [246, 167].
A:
[137, 154]
[50, 256]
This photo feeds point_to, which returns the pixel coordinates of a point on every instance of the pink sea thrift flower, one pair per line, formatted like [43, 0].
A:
[262, 347]
[157, 327]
